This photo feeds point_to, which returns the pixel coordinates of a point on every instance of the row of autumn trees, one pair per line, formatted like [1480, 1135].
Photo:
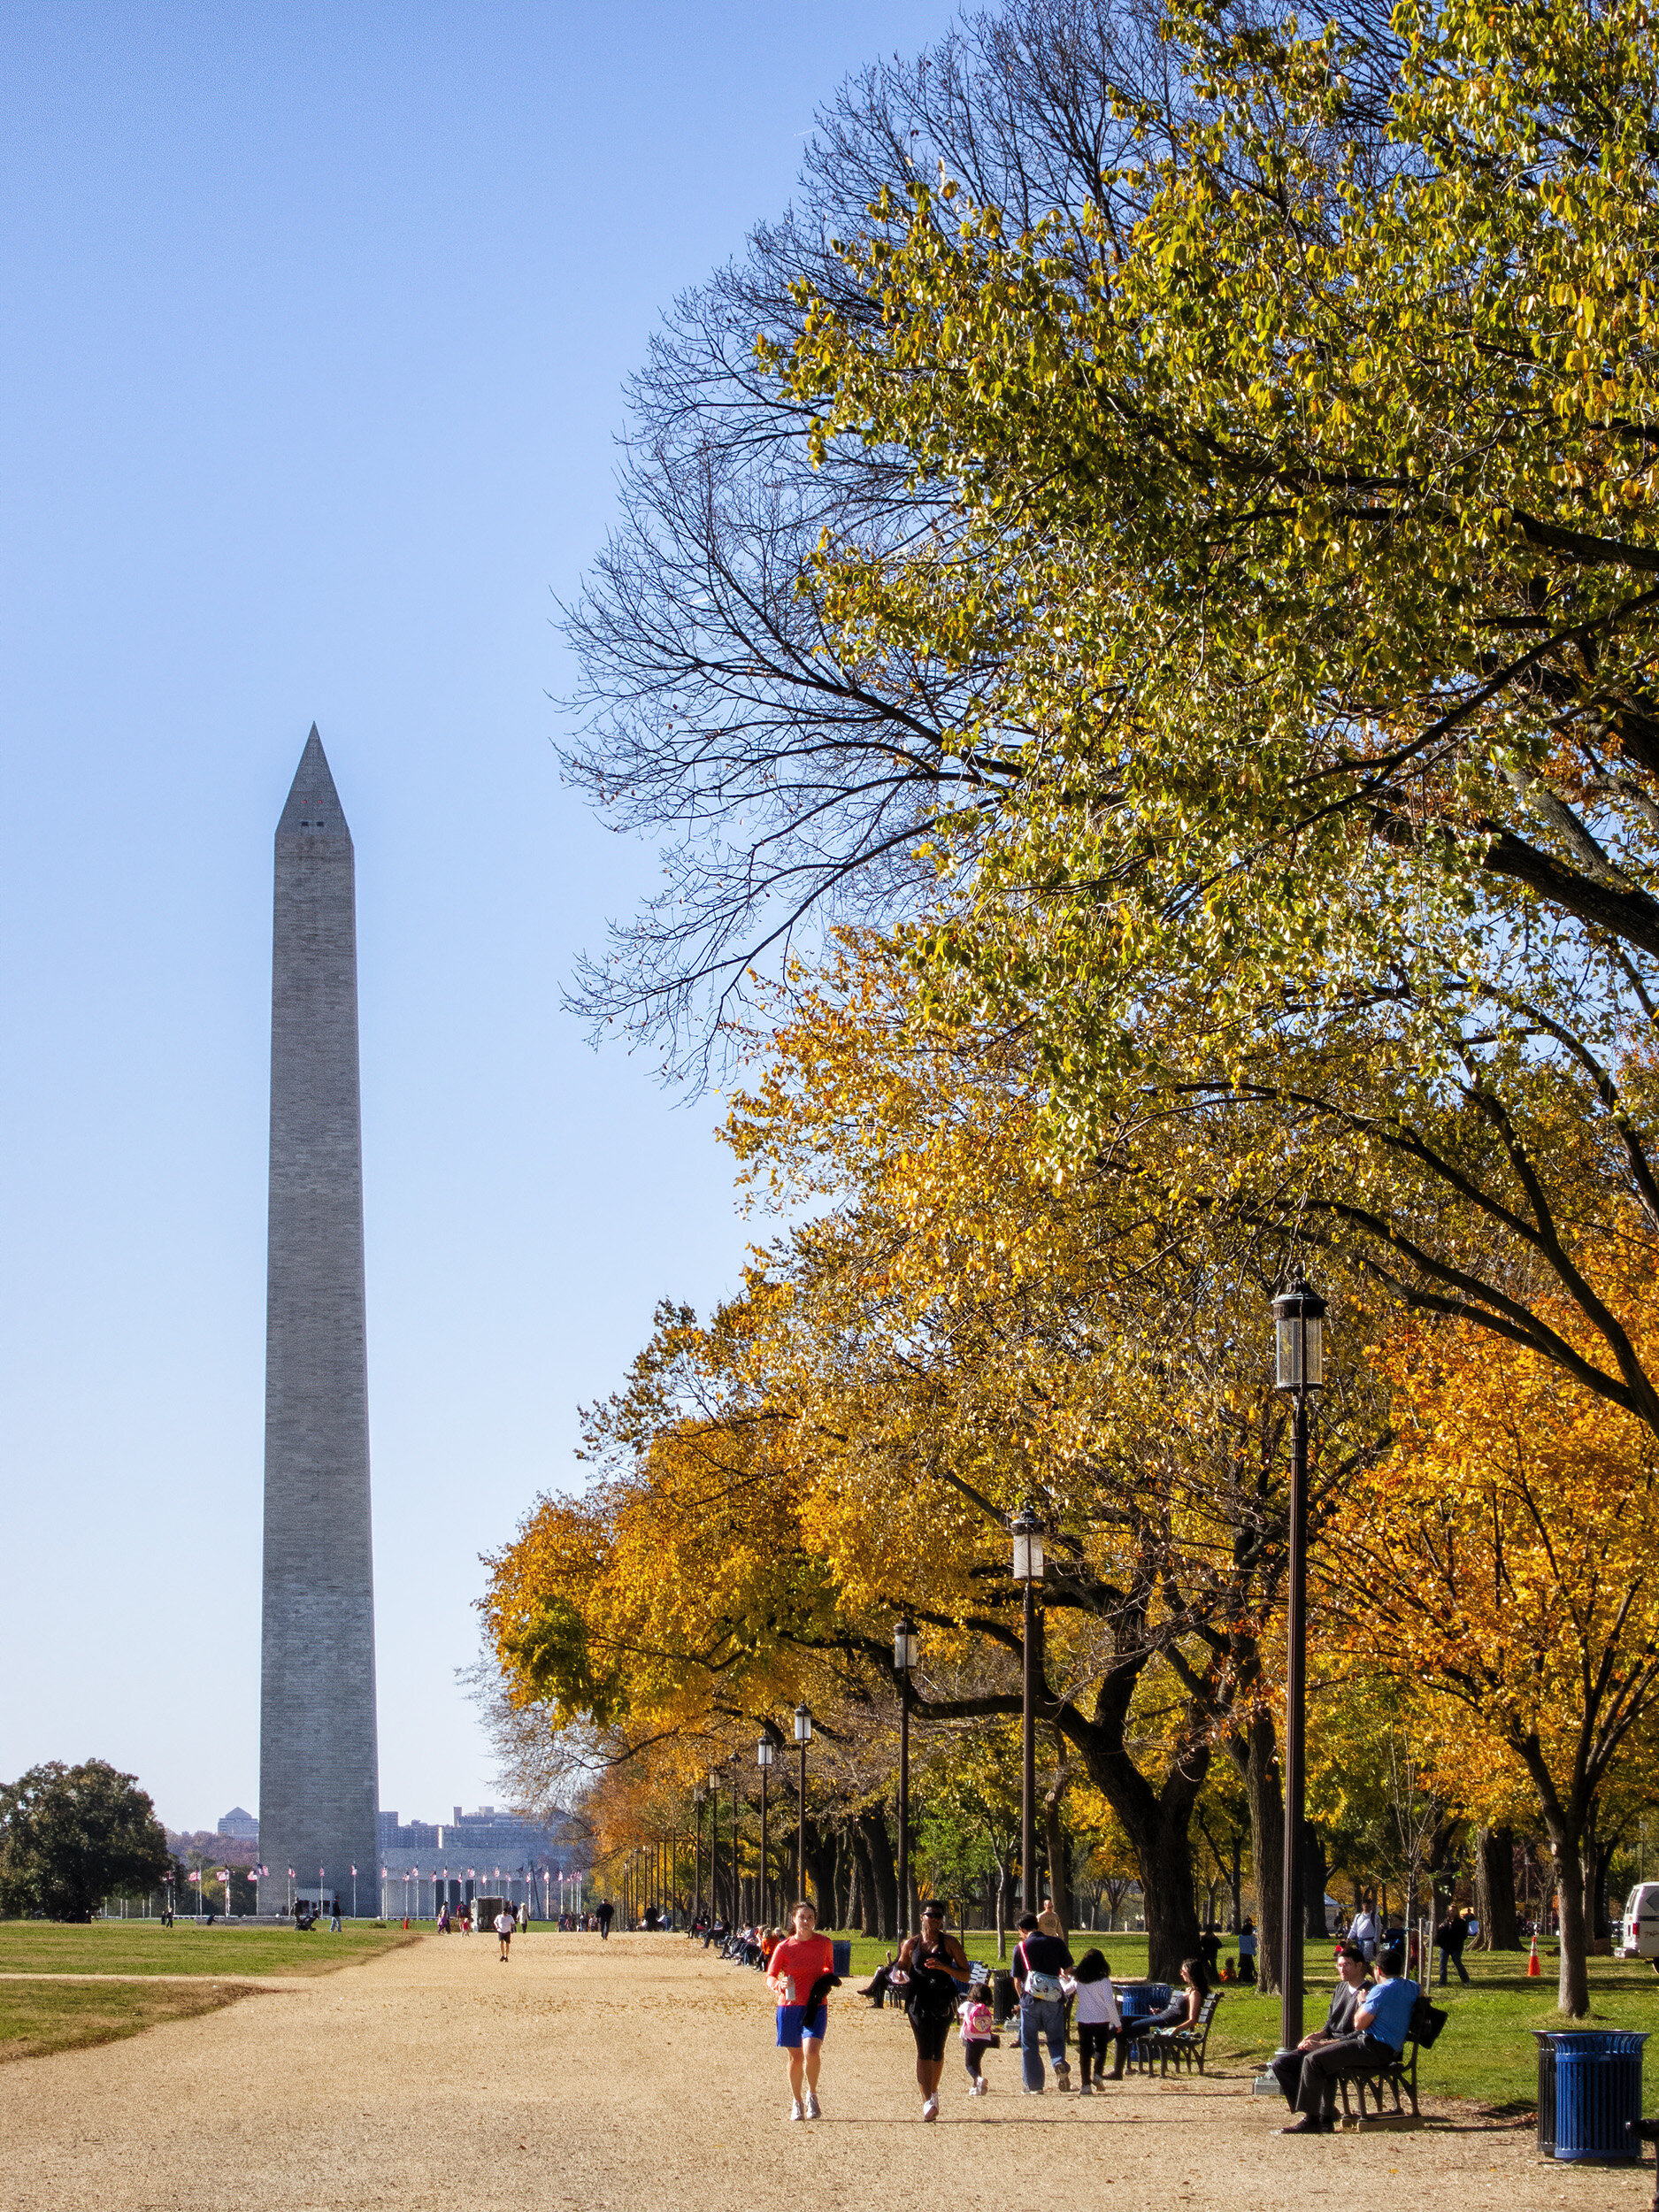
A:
[1134, 614]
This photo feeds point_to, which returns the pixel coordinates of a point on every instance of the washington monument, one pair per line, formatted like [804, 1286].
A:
[319, 1763]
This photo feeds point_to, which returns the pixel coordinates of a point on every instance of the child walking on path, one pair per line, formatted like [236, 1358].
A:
[1096, 2016]
[979, 2035]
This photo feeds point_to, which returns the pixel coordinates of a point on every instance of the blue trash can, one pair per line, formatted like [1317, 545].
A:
[842, 1952]
[1589, 2086]
[1141, 1997]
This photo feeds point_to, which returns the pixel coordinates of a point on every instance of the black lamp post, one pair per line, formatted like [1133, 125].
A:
[802, 1736]
[906, 1647]
[1299, 1367]
[765, 1751]
[696, 1799]
[737, 1877]
[714, 1843]
[1027, 1537]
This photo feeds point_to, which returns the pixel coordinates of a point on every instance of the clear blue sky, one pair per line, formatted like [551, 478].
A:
[313, 325]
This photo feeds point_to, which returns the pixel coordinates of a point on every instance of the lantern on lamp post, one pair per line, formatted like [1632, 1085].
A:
[802, 1736]
[1027, 1535]
[906, 1648]
[1298, 1368]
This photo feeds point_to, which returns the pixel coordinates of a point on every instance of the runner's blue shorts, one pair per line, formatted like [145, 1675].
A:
[795, 2022]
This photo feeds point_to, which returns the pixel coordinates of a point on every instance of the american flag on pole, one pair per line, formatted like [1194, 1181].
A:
[354, 1873]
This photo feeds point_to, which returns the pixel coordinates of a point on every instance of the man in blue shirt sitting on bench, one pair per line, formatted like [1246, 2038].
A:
[1382, 2021]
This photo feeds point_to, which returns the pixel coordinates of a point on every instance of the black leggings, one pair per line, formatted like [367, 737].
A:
[1093, 2040]
[930, 2036]
[974, 2054]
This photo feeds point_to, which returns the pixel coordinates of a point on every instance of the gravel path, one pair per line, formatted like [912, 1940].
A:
[640, 2074]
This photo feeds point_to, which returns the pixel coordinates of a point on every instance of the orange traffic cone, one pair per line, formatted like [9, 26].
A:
[1532, 1966]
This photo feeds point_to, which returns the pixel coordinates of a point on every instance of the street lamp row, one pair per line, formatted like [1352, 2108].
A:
[1299, 1368]
[1298, 1316]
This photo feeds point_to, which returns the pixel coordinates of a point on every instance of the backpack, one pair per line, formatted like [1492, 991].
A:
[1426, 2021]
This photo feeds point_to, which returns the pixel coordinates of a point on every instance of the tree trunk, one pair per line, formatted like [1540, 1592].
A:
[1573, 1985]
[1316, 1871]
[1236, 1921]
[869, 1906]
[1494, 1890]
[1059, 1888]
[1255, 1755]
[884, 1874]
[820, 1872]
[1001, 1911]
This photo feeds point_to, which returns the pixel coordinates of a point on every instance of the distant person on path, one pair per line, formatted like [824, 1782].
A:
[1181, 2012]
[1209, 1948]
[1097, 2017]
[607, 1913]
[800, 1975]
[333, 1924]
[503, 1929]
[1290, 2069]
[1039, 1959]
[1449, 1938]
[1246, 1950]
[936, 1971]
[1363, 1930]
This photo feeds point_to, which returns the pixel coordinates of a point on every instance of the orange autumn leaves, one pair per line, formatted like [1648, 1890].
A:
[1503, 1556]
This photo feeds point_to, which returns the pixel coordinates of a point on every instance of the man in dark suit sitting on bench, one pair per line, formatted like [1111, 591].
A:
[1334, 2044]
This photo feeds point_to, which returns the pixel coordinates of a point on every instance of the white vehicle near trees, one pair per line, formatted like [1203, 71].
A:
[1639, 1933]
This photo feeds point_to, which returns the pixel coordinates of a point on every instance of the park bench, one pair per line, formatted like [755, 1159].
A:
[1185, 2045]
[1397, 2075]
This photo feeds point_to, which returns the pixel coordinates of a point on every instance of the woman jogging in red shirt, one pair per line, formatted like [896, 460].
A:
[796, 1968]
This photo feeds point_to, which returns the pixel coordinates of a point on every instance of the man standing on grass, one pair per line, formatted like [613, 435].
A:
[799, 1974]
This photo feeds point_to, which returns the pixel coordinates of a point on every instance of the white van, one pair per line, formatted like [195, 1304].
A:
[1640, 1934]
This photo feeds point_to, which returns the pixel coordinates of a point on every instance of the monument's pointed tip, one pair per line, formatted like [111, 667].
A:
[313, 803]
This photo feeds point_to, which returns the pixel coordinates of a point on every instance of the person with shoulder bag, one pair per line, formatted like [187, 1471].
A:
[1040, 1958]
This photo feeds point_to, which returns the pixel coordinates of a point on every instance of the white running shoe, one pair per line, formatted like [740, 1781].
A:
[981, 2087]
[795, 2113]
[930, 2110]
[814, 2110]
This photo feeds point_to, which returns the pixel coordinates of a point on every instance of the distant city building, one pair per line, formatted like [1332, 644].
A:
[241, 1824]
[464, 1854]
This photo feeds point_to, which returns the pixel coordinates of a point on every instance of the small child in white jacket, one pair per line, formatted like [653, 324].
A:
[1097, 2016]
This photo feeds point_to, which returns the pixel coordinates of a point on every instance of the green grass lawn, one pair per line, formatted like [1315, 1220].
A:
[144, 1946]
[1486, 2053]
[39, 2018]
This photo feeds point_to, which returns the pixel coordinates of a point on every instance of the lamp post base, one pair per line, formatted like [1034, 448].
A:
[1267, 2084]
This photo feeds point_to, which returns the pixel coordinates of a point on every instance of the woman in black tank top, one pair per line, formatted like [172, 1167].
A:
[938, 1972]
